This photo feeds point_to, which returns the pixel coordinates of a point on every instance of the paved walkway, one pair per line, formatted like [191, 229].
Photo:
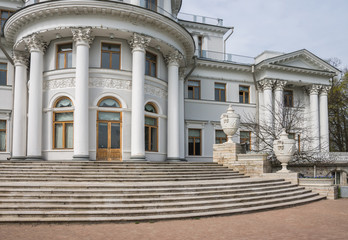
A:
[327, 219]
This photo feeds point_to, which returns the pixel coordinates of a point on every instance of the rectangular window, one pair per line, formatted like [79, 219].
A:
[245, 139]
[151, 64]
[3, 74]
[64, 56]
[293, 136]
[288, 98]
[220, 137]
[111, 56]
[2, 135]
[4, 15]
[200, 46]
[244, 94]
[63, 129]
[220, 92]
[194, 142]
[151, 4]
[151, 134]
[194, 89]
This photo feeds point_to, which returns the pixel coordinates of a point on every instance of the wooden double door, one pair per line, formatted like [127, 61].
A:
[109, 135]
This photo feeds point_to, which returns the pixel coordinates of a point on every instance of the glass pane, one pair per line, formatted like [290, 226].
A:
[3, 66]
[58, 135]
[246, 97]
[150, 121]
[109, 116]
[240, 98]
[147, 129]
[3, 77]
[65, 47]
[115, 136]
[154, 139]
[109, 103]
[220, 134]
[244, 89]
[244, 134]
[194, 83]
[197, 93]
[194, 133]
[153, 69]
[69, 60]
[197, 146]
[115, 61]
[102, 135]
[64, 117]
[151, 57]
[65, 102]
[61, 59]
[150, 108]
[147, 68]
[220, 86]
[2, 141]
[69, 133]
[111, 47]
[2, 125]
[105, 60]
[190, 92]
[190, 145]
[223, 97]
[4, 14]
[217, 95]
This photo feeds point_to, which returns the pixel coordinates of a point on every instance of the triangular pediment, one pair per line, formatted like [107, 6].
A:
[302, 60]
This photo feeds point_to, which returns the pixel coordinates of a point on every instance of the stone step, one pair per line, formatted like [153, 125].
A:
[149, 212]
[158, 217]
[161, 196]
[100, 163]
[83, 189]
[154, 205]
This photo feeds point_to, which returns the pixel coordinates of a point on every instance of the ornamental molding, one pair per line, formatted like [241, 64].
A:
[35, 43]
[174, 58]
[109, 83]
[139, 42]
[223, 65]
[82, 35]
[314, 89]
[280, 84]
[155, 91]
[325, 89]
[267, 84]
[20, 58]
[59, 83]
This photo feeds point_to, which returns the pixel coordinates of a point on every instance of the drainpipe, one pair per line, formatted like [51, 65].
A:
[192, 69]
[232, 28]
[257, 118]
[6, 54]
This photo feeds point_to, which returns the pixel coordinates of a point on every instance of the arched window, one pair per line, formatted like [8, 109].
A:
[63, 124]
[109, 102]
[151, 128]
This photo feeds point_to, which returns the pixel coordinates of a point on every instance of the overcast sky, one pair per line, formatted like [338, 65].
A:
[320, 26]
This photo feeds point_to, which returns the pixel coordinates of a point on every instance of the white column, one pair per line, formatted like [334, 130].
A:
[173, 134]
[267, 86]
[324, 119]
[138, 43]
[19, 139]
[182, 113]
[83, 39]
[314, 116]
[36, 47]
[279, 104]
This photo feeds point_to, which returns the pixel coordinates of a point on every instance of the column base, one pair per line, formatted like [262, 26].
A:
[34, 158]
[18, 158]
[81, 157]
[138, 158]
[173, 159]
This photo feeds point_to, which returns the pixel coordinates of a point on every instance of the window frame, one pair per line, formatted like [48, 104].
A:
[156, 62]
[150, 5]
[4, 130]
[3, 20]
[219, 98]
[110, 55]
[249, 138]
[65, 55]
[151, 127]
[54, 123]
[220, 138]
[285, 96]
[243, 93]
[194, 146]
[193, 90]
[6, 80]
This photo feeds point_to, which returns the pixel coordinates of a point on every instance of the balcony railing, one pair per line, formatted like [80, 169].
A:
[224, 57]
[200, 19]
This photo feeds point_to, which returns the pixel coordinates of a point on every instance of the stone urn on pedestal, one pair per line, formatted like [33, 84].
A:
[230, 122]
[284, 149]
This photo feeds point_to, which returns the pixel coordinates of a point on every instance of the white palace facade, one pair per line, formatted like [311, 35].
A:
[135, 79]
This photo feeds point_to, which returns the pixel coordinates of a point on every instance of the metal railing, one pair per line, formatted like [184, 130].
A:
[200, 19]
[224, 57]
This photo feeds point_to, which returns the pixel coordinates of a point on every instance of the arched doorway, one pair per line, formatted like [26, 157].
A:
[109, 130]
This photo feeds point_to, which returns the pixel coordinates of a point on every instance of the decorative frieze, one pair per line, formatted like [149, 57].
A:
[110, 83]
[174, 58]
[82, 35]
[59, 83]
[20, 58]
[139, 42]
[35, 43]
[155, 91]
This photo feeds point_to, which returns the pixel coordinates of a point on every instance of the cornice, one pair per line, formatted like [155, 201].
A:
[296, 69]
[204, 26]
[40, 11]
[223, 65]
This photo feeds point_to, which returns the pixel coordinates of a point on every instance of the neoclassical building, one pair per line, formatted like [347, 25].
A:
[135, 79]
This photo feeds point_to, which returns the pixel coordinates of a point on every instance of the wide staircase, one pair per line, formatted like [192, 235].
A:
[58, 191]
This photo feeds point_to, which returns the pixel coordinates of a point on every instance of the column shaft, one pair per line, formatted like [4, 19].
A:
[279, 105]
[182, 118]
[324, 120]
[314, 113]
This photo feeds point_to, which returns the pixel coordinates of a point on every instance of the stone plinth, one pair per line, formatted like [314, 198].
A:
[226, 153]
[291, 177]
[324, 187]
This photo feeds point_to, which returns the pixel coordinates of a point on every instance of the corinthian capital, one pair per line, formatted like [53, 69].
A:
[82, 35]
[20, 58]
[314, 89]
[139, 42]
[267, 84]
[325, 89]
[174, 58]
[35, 43]
[280, 84]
